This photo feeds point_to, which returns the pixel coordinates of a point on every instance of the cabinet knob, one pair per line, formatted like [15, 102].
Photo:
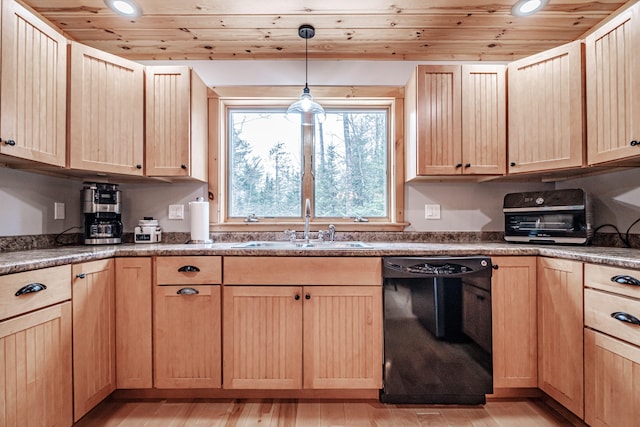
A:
[31, 287]
[138, 166]
[81, 275]
[183, 166]
[635, 143]
[10, 142]
[467, 165]
[458, 165]
[307, 296]
[297, 297]
[512, 164]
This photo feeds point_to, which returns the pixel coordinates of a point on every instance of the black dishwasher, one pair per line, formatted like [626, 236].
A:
[437, 330]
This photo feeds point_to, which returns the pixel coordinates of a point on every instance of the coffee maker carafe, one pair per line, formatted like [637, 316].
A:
[101, 209]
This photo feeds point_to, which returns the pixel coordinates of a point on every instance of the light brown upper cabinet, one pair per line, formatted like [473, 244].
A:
[176, 123]
[33, 96]
[546, 110]
[613, 89]
[106, 112]
[455, 120]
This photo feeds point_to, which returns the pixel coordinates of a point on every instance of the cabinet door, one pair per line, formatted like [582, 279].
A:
[33, 87]
[187, 336]
[133, 323]
[560, 332]
[515, 332]
[439, 120]
[94, 373]
[106, 112]
[35, 369]
[176, 123]
[342, 337]
[262, 330]
[612, 381]
[613, 96]
[546, 109]
[484, 119]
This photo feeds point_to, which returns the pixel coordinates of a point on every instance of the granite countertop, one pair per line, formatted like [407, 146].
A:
[13, 262]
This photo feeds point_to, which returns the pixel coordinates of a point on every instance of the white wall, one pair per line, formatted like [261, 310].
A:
[26, 199]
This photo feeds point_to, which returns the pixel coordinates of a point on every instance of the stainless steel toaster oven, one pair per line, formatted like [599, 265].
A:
[556, 216]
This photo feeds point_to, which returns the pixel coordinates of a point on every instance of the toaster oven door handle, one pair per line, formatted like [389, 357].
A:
[623, 279]
[625, 317]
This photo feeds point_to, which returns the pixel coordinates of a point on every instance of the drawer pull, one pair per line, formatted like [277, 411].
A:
[625, 280]
[625, 317]
[31, 287]
[188, 269]
[188, 291]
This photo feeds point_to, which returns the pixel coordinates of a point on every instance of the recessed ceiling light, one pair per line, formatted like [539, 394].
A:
[527, 7]
[127, 8]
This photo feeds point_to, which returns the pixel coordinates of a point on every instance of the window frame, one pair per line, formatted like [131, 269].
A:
[222, 99]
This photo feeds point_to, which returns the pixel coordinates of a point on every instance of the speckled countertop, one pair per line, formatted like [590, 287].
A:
[13, 262]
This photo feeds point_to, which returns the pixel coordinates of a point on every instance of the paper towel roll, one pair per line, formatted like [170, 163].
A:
[199, 221]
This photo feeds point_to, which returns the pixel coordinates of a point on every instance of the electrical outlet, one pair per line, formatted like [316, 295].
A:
[432, 211]
[58, 210]
[176, 211]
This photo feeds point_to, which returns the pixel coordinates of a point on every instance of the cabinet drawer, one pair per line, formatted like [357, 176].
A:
[598, 308]
[603, 277]
[188, 270]
[57, 281]
[302, 271]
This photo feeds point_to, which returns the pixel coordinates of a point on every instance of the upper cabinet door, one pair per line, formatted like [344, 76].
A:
[176, 123]
[484, 119]
[106, 117]
[433, 108]
[32, 88]
[546, 110]
[613, 92]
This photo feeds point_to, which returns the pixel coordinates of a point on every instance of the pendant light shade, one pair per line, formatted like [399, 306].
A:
[306, 106]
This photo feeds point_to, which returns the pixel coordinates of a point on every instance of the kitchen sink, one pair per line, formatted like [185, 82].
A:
[285, 244]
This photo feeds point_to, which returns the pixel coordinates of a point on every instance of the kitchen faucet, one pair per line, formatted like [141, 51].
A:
[307, 216]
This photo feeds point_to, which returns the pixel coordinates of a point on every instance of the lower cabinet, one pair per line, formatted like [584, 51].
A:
[515, 332]
[94, 369]
[134, 368]
[560, 332]
[35, 368]
[186, 322]
[187, 336]
[612, 381]
[293, 337]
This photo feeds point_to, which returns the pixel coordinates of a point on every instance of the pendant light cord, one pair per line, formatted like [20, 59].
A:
[306, 63]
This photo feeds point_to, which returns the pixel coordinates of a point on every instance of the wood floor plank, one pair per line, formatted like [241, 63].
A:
[294, 413]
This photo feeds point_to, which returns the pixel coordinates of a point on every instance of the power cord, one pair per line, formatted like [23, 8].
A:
[626, 238]
[57, 238]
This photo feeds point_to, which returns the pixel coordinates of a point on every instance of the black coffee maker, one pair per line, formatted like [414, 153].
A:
[101, 209]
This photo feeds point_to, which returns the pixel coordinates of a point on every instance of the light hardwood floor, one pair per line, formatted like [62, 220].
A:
[281, 412]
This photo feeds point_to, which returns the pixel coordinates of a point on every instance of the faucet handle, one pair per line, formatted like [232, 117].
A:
[321, 235]
[291, 234]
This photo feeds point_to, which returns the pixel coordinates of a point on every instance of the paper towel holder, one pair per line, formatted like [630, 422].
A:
[196, 241]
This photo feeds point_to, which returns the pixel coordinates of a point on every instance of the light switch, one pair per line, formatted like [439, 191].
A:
[176, 211]
[432, 211]
[58, 210]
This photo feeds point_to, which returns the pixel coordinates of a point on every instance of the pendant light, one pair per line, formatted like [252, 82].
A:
[306, 106]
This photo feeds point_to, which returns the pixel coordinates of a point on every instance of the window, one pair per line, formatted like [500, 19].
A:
[270, 164]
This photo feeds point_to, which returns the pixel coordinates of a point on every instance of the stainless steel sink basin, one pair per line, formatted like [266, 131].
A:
[303, 245]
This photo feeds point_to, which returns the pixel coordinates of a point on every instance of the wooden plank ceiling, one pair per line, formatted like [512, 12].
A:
[417, 30]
